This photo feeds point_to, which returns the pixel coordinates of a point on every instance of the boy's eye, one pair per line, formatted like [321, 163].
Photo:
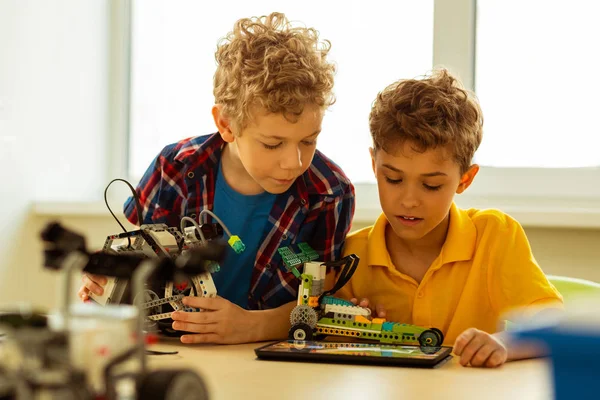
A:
[433, 188]
[393, 181]
[271, 147]
[309, 142]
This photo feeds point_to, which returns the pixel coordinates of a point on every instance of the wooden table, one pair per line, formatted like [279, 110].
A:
[233, 372]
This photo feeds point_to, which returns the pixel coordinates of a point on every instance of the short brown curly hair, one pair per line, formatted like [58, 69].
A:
[267, 62]
[432, 112]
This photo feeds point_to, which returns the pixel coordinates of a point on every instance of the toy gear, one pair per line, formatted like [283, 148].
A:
[304, 314]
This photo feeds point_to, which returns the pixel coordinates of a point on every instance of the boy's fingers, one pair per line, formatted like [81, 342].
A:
[354, 300]
[496, 359]
[98, 279]
[463, 340]
[83, 293]
[469, 351]
[92, 286]
[380, 311]
[194, 328]
[480, 357]
[205, 303]
[202, 317]
[364, 303]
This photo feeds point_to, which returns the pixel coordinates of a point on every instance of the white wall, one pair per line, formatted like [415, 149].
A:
[53, 122]
[569, 252]
[26, 280]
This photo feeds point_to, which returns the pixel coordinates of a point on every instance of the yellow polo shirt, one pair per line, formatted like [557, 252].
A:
[485, 269]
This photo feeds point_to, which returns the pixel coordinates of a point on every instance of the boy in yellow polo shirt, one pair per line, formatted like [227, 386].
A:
[425, 261]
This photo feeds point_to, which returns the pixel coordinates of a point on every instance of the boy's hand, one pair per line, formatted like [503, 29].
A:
[480, 349]
[379, 311]
[91, 283]
[220, 322]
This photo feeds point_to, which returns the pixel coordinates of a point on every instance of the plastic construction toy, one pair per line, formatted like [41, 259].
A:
[161, 241]
[318, 313]
[93, 352]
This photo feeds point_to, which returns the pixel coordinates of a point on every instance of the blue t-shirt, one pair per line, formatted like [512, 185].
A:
[245, 216]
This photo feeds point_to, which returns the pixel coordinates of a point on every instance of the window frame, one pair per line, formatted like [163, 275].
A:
[119, 107]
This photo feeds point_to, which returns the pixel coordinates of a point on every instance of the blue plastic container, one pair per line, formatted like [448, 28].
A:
[575, 355]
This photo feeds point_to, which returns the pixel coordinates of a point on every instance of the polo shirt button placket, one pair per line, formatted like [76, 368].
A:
[421, 308]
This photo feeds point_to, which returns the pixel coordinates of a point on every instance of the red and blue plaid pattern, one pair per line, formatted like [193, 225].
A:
[317, 209]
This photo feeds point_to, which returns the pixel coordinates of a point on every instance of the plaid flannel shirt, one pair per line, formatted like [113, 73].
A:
[317, 209]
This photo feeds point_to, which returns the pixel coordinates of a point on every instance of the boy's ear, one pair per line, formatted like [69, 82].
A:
[467, 178]
[223, 123]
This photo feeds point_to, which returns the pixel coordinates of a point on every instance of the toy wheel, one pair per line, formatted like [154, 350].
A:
[440, 335]
[429, 338]
[301, 332]
[172, 385]
[146, 297]
[304, 314]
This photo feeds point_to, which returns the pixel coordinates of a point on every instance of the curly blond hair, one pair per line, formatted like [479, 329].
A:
[268, 63]
[432, 112]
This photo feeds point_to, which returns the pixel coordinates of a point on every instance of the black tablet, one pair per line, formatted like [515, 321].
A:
[355, 353]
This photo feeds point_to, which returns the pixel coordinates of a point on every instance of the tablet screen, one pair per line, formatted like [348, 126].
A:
[364, 353]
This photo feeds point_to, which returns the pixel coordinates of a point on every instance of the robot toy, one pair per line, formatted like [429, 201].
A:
[161, 298]
[318, 313]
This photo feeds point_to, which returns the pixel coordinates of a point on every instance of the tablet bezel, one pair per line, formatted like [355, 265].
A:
[263, 353]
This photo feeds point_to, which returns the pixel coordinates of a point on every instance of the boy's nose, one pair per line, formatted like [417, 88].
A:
[408, 199]
[291, 159]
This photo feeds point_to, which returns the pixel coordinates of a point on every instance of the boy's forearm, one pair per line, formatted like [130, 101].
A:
[274, 323]
[522, 349]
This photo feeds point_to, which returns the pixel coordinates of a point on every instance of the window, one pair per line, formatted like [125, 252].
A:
[531, 64]
[172, 66]
[535, 79]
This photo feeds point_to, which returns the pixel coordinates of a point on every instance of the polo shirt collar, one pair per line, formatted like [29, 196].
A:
[459, 244]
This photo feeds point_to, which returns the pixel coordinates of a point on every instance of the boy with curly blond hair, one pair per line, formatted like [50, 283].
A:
[260, 173]
[425, 261]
